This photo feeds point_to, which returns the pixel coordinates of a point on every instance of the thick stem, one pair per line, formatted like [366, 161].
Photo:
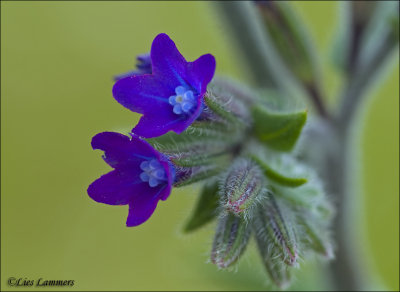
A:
[345, 267]
[261, 60]
[329, 154]
[248, 34]
[347, 270]
[354, 94]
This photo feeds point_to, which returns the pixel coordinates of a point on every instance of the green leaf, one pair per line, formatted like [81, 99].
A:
[316, 238]
[206, 208]
[278, 177]
[279, 131]
[309, 198]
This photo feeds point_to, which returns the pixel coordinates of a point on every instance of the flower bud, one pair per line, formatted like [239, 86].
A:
[278, 271]
[242, 187]
[230, 240]
[273, 228]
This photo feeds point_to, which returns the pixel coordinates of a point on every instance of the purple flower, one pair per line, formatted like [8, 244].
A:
[143, 66]
[141, 176]
[170, 98]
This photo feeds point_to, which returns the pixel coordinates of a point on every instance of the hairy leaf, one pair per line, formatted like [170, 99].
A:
[206, 208]
[315, 238]
[274, 174]
[279, 131]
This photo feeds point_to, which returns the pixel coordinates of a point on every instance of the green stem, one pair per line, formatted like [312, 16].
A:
[261, 62]
[345, 267]
[357, 85]
[249, 37]
[330, 157]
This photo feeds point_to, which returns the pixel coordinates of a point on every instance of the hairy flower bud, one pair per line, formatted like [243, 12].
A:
[278, 271]
[230, 240]
[242, 187]
[273, 228]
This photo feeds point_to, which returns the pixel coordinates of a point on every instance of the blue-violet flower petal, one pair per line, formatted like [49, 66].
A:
[141, 177]
[170, 98]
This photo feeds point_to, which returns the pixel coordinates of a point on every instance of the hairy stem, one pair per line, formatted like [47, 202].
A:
[345, 267]
[327, 150]
[249, 37]
[262, 64]
[347, 270]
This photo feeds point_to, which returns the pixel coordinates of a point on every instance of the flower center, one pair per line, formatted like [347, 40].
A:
[153, 172]
[183, 101]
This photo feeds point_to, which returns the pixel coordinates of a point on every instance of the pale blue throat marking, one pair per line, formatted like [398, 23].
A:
[183, 101]
[153, 172]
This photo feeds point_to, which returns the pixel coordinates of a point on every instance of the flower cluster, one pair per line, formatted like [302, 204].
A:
[196, 127]
[169, 92]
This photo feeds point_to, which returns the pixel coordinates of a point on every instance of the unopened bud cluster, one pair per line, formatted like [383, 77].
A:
[253, 185]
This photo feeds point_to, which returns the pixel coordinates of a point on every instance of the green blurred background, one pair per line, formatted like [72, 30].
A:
[57, 63]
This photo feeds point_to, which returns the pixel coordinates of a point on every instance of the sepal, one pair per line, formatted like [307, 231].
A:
[189, 175]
